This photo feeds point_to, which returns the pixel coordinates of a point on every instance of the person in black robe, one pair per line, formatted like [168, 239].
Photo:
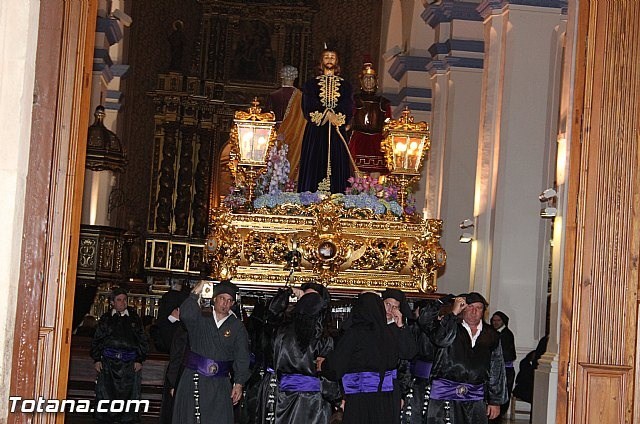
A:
[468, 382]
[270, 318]
[170, 336]
[274, 316]
[365, 360]
[523, 389]
[398, 312]
[500, 321]
[119, 347]
[327, 104]
[218, 346]
[304, 397]
[414, 409]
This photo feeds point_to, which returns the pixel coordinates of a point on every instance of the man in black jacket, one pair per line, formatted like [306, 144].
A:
[468, 375]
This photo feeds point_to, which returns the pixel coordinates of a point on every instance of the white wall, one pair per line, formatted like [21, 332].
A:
[18, 40]
[458, 172]
[525, 119]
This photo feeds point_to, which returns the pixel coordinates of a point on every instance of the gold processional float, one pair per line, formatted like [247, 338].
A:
[349, 242]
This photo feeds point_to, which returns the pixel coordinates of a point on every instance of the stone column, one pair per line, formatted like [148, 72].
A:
[518, 135]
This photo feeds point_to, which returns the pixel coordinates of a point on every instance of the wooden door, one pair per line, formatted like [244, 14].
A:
[599, 327]
[53, 202]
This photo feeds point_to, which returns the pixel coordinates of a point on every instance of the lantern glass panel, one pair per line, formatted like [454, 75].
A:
[253, 141]
[414, 152]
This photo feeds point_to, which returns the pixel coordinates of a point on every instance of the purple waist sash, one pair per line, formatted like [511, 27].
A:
[121, 354]
[207, 367]
[508, 364]
[442, 389]
[367, 382]
[421, 369]
[299, 383]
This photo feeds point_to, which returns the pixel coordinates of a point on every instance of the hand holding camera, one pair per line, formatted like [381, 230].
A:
[204, 289]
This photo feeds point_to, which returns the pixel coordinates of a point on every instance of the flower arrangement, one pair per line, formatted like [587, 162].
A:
[410, 208]
[276, 177]
[235, 199]
[271, 200]
[363, 185]
[275, 189]
[368, 192]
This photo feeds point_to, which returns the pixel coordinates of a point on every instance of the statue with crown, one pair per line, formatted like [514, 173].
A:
[349, 221]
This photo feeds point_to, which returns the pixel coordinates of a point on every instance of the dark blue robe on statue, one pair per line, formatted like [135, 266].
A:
[319, 95]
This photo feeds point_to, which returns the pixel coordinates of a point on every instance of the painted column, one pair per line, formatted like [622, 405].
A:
[455, 70]
[516, 160]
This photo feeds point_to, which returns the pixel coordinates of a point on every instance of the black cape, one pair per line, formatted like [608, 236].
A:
[368, 345]
[266, 389]
[415, 404]
[179, 346]
[302, 407]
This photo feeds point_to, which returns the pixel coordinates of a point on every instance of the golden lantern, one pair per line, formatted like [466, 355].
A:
[251, 136]
[405, 145]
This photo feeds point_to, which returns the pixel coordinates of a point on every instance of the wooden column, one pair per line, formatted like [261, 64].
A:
[599, 329]
[53, 203]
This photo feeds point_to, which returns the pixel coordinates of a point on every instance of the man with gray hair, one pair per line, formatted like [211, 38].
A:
[218, 345]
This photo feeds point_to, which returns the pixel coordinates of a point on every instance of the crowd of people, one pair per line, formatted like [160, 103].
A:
[438, 363]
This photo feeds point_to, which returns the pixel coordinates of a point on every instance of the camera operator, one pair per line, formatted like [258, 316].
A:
[219, 344]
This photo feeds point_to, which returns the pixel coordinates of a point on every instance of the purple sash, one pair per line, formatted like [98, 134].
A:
[442, 389]
[207, 367]
[367, 382]
[299, 383]
[508, 364]
[421, 369]
[119, 354]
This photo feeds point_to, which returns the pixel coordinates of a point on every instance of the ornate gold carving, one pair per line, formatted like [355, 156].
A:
[287, 209]
[224, 244]
[427, 255]
[384, 255]
[255, 113]
[347, 249]
[265, 248]
[326, 249]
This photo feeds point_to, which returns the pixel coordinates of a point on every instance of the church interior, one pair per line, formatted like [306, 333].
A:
[127, 166]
